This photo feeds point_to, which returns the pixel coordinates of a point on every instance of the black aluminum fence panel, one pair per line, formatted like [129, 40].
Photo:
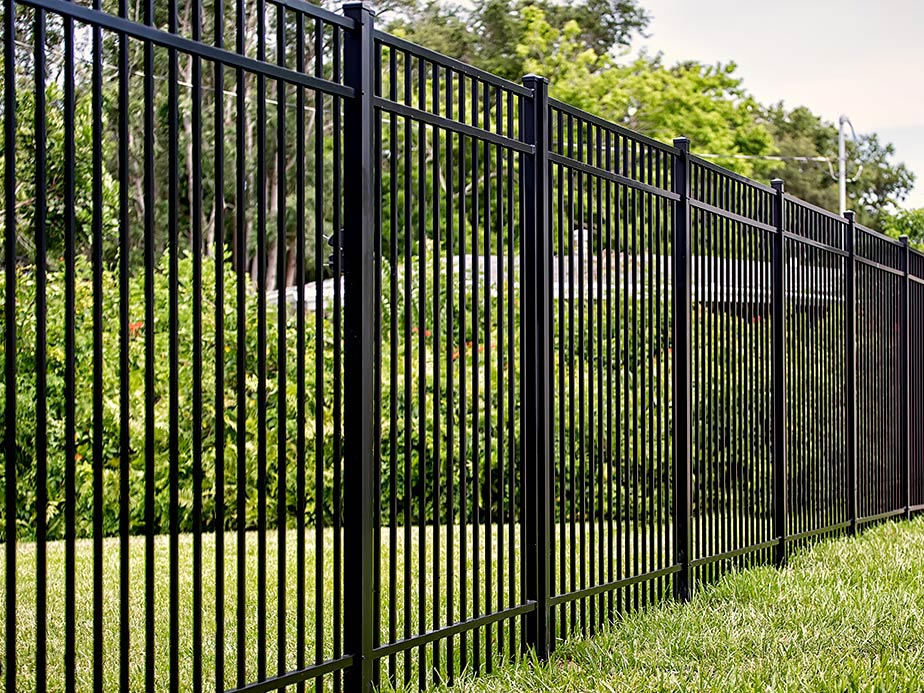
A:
[448, 519]
[916, 264]
[916, 379]
[816, 355]
[880, 283]
[732, 434]
[611, 205]
[334, 363]
[175, 515]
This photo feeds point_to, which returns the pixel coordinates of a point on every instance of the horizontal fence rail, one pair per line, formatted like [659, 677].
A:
[333, 363]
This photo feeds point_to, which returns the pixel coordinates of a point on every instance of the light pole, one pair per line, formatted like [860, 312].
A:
[842, 163]
[842, 160]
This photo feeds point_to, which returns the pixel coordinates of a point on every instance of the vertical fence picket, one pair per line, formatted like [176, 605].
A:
[681, 282]
[9, 316]
[905, 390]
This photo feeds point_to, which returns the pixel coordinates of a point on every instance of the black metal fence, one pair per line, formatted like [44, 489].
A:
[331, 362]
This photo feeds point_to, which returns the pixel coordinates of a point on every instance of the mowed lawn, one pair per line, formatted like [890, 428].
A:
[847, 615]
[323, 599]
[479, 558]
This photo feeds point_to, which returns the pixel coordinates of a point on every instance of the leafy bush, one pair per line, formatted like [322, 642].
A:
[112, 464]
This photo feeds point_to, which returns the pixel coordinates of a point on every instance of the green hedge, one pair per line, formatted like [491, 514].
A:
[112, 464]
[726, 422]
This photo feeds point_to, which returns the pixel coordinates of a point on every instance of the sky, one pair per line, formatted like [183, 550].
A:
[862, 58]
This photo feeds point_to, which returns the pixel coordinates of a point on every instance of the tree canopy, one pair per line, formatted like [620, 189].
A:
[581, 46]
[880, 183]
[490, 33]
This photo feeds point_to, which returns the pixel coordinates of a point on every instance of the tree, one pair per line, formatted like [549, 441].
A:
[706, 103]
[800, 133]
[906, 222]
[881, 185]
[487, 34]
[279, 242]
[54, 180]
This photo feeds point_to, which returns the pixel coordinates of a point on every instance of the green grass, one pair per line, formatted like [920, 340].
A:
[847, 615]
[320, 605]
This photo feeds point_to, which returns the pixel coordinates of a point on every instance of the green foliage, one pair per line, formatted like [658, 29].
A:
[421, 352]
[732, 413]
[801, 133]
[420, 444]
[880, 185]
[907, 222]
[112, 464]
[487, 33]
[419, 356]
[149, 198]
[576, 46]
[706, 103]
[54, 183]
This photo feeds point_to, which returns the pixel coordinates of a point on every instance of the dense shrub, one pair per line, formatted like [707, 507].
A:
[731, 416]
[112, 464]
[491, 471]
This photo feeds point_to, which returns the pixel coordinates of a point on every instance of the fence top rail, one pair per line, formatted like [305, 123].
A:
[316, 12]
[385, 39]
[793, 200]
[300, 6]
[878, 235]
[729, 173]
[613, 127]
[143, 32]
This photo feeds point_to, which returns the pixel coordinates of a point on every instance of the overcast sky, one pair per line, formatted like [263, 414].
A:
[863, 58]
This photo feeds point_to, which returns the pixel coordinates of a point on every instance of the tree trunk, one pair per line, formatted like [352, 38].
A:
[248, 226]
[291, 264]
[191, 184]
[273, 255]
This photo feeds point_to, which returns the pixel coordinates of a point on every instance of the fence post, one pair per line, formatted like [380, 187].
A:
[905, 391]
[851, 358]
[780, 500]
[681, 300]
[358, 265]
[537, 317]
